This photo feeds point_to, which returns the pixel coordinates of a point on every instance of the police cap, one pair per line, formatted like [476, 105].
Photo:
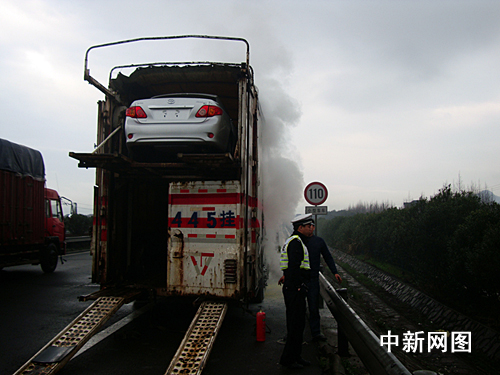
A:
[302, 220]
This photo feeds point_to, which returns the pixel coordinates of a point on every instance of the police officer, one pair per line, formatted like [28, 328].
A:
[317, 248]
[294, 262]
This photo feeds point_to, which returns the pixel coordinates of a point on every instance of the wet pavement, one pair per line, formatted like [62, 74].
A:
[237, 350]
[38, 306]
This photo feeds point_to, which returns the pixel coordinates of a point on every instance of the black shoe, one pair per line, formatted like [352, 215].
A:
[319, 337]
[293, 366]
[303, 362]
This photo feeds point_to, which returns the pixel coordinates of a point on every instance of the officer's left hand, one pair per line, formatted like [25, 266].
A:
[281, 280]
[339, 279]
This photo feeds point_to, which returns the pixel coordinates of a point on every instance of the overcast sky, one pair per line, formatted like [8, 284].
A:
[382, 101]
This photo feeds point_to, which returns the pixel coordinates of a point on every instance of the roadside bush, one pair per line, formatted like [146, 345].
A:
[448, 244]
[78, 225]
[475, 260]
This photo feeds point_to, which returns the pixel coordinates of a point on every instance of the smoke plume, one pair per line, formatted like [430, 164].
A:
[283, 180]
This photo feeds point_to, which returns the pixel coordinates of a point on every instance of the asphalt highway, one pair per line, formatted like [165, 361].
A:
[139, 338]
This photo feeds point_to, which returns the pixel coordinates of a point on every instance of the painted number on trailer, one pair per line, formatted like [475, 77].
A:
[177, 219]
[194, 220]
[211, 220]
[225, 219]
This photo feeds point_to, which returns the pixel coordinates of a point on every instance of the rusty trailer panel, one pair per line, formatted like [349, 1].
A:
[206, 229]
[64, 346]
[195, 348]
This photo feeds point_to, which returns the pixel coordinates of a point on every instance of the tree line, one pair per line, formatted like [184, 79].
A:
[78, 225]
[448, 246]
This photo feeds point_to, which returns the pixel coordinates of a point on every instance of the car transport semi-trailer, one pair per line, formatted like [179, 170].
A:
[171, 220]
[185, 222]
[31, 216]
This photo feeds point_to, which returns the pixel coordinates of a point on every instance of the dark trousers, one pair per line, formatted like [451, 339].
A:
[295, 303]
[313, 304]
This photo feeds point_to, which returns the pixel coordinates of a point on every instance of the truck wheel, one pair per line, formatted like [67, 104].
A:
[49, 259]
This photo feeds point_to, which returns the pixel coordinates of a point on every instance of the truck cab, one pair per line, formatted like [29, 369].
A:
[54, 219]
[31, 216]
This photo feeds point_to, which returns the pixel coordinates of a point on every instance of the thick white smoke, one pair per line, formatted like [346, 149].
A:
[282, 178]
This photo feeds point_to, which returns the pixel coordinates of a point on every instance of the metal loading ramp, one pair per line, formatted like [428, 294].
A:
[199, 339]
[64, 346]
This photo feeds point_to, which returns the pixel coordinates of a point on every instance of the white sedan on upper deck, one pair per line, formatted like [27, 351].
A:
[172, 123]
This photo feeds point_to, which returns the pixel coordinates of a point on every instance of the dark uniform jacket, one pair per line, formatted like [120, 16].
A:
[317, 247]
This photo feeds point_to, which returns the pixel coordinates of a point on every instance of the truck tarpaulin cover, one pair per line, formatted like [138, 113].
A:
[21, 160]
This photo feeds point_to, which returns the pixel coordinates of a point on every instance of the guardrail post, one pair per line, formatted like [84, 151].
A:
[342, 342]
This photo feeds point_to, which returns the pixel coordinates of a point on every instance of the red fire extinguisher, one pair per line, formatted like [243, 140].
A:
[261, 326]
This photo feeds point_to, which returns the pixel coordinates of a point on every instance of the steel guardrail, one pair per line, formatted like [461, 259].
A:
[77, 239]
[375, 357]
[77, 244]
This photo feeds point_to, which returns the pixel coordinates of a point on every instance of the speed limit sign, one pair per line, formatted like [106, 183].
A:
[315, 193]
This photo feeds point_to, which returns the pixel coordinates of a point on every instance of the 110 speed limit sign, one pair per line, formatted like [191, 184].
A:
[315, 193]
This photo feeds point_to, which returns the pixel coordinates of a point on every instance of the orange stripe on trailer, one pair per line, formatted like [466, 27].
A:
[186, 197]
[204, 199]
[104, 200]
[194, 260]
[104, 231]
[226, 236]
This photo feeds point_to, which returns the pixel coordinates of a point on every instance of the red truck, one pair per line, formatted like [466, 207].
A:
[31, 216]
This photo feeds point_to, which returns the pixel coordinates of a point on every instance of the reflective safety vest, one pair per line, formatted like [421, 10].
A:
[284, 254]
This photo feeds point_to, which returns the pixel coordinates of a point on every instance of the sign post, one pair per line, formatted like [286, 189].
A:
[316, 194]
